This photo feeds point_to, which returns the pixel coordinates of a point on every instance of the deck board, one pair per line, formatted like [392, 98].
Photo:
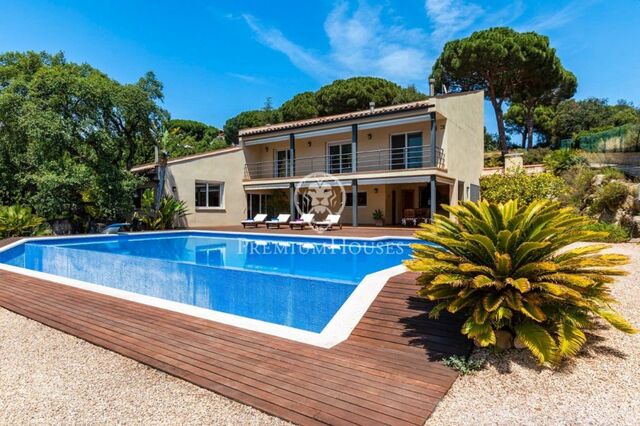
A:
[387, 372]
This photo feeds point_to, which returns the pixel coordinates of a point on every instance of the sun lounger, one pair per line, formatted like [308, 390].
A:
[282, 219]
[331, 221]
[257, 220]
[305, 220]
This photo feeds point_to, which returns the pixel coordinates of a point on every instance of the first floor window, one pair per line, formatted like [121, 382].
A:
[209, 194]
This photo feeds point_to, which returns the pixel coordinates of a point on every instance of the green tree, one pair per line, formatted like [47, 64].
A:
[573, 116]
[301, 106]
[515, 122]
[69, 134]
[246, 119]
[186, 137]
[506, 64]
[354, 94]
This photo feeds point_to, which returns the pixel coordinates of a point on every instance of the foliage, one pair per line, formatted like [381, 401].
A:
[68, 135]
[301, 106]
[186, 137]
[579, 180]
[609, 197]
[561, 160]
[20, 221]
[611, 232]
[165, 216]
[517, 184]
[591, 115]
[515, 122]
[378, 215]
[509, 66]
[246, 119]
[507, 267]
[535, 155]
[355, 93]
[464, 365]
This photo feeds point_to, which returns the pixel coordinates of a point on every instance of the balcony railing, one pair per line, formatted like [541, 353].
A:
[418, 157]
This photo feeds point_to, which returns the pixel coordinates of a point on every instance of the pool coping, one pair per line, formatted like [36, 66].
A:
[337, 330]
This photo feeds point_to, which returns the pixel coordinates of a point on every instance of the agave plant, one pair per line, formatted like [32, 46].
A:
[164, 217]
[20, 221]
[508, 268]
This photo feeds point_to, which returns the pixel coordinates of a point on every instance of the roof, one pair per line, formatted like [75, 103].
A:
[151, 166]
[425, 104]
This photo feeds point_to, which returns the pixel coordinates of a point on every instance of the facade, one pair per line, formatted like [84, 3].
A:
[404, 160]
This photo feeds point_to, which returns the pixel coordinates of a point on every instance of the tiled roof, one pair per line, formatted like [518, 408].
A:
[339, 117]
[151, 166]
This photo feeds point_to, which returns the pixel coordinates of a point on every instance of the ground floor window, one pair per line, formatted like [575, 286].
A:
[362, 199]
[258, 203]
[209, 194]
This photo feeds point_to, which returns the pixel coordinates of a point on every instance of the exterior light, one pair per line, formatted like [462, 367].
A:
[266, 148]
[309, 143]
[369, 136]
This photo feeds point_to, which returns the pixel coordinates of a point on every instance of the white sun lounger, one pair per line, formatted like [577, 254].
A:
[282, 219]
[331, 221]
[305, 220]
[257, 220]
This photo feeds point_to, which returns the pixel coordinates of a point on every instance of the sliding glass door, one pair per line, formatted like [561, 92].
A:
[406, 151]
[339, 158]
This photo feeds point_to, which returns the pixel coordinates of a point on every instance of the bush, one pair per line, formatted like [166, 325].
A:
[499, 188]
[609, 197]
[535, 155]
[165, 216]
[501, 265]
[464, 365]
[561, 160]
[20, 221]
[614, 233]
[579, 180]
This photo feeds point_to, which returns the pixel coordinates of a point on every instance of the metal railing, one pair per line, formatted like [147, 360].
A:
[417, 157]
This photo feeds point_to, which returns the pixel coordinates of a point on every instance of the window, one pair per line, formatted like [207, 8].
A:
[258, 203]
[209, 194]
[406, 151]
[460, 191]
[475, 193]
[282, 163]
[362, 199]
[339, 158]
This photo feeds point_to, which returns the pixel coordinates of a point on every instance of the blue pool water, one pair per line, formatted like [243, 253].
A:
[297, 282]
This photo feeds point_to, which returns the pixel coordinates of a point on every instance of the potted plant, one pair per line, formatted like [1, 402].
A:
[378, 217]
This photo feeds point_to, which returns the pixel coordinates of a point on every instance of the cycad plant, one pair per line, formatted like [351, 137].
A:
[164, 217]
[507, 267]
[20, 221]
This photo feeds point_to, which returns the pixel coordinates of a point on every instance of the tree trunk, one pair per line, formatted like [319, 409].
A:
[524, 138]
[502, 134]
[530, 130]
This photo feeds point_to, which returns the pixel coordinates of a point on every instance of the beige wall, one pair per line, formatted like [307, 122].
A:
[462, 138]
[227, 167]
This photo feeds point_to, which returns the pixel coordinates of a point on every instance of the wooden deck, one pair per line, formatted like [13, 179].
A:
[387, 372]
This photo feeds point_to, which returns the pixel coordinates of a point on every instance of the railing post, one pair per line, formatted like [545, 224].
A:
[292, 153]
[354, 202]
[432, 138]
[354, 148]
[433, 200]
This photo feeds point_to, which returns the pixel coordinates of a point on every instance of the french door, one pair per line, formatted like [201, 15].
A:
[282, 163]
[339, 158]
[406, 151]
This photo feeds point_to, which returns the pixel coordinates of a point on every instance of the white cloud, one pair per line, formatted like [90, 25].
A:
[248, 78]
[449, 17]
[559, 18]
[360, 44]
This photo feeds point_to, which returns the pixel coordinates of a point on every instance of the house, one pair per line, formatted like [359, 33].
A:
[404, 160]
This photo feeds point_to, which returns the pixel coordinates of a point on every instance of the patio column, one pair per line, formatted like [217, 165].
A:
[432, 195]
[432, 139]
[354, 202]
[292, 154]
[354, 148]
[292, 201]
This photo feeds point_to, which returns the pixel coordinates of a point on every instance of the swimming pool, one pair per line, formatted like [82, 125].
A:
[312, 289]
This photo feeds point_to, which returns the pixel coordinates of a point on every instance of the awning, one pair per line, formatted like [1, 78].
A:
[390, 180]
[259, 187]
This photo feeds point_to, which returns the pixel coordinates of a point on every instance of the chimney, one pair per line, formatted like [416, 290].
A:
[432, 86]
[372, 106]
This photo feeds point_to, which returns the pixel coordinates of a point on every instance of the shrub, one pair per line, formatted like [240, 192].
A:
[561, 160]
[464, 365]
[500, 265]
[499, 188]
[535, 155]
[613, 233]
[609, 197]
[165, 216]
[20, 221]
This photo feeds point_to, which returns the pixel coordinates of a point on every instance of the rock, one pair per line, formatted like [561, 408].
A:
[597, 180]
[504, 340]
[517, 343]
[635, 230]
[629, 203]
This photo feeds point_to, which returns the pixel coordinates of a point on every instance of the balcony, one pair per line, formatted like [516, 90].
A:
[413, 157]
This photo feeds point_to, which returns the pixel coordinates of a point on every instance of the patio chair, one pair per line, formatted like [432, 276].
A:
[280, 220]
[305, 220]
[331, 221]
[257, 220]
[409, 218]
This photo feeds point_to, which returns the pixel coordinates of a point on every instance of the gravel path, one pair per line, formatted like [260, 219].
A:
[601, 386]
[48, 377]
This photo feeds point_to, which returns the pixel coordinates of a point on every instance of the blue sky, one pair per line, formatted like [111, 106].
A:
[219, 58]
